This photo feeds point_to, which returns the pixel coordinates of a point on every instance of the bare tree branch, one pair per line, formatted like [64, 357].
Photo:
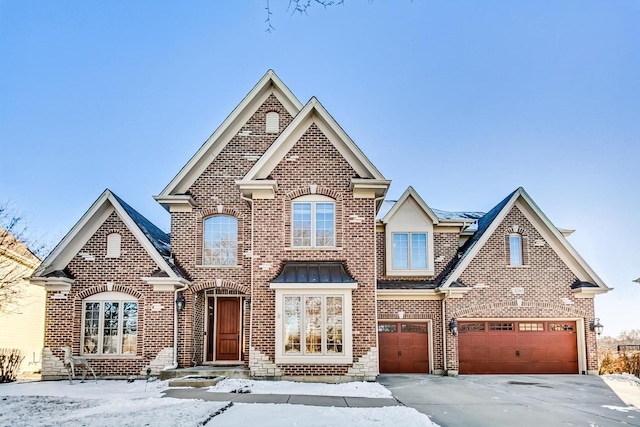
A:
[299, 6]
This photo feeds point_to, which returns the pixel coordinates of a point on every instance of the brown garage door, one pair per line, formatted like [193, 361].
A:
[404, 348]
[511, 347]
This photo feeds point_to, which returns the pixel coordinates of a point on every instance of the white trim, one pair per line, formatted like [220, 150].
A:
[86, 227]
[311, 286]
[269, 84]
[176, 202]
[312, 112]
[165, 284]
[110, 297]
[572, 259]
[258, 189]
[53, 284]
[408, 294]
[346, 357]
[114, 245]
[313, 200]
[410, 192]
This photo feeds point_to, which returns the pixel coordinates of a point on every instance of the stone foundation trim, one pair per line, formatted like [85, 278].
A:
[163, 358]
[366, 368]
[261, 366]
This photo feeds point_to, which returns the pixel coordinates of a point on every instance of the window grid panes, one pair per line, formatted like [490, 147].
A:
[495, 326]
[557, 327]
[409, 251]
[515, 249]
[220, 241]
[531, 327]
[313, 224]
[320, 322]
[110, 327]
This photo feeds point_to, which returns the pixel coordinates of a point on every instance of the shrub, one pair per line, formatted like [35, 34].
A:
[624, 362]
[10, 360]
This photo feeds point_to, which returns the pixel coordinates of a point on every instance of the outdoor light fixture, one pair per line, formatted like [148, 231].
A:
[453, 327]
[596, 326]
[180, 302]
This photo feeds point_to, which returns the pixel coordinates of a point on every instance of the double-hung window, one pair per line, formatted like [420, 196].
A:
[515, 249]
[313, 222]
[409, 251]
[220, 241]
[110, 324]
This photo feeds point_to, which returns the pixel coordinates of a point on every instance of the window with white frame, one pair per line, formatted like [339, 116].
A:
[272, 122]
[313, 222]
[220, 241]
[313, 326]
[110, 324]
[515, 249]
[114, 242]
[409, 251]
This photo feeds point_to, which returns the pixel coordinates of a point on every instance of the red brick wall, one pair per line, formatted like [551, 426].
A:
[63, 321]
[545, 278]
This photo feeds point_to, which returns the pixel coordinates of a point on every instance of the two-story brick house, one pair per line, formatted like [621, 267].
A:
[284, 257]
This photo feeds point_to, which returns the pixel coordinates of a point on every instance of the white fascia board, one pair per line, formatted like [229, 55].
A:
[408, 294]
[53, 284]
[166, 284]
[268, 84]
[588, 292]
[79, 234]
[480, 243]
[313, 112]
[575, 262]
[378, 187]
[258, 189]
[410, 192]
[140, 236]
[176, 202]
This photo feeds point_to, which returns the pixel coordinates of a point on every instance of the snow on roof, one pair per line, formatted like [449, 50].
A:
[387, 205]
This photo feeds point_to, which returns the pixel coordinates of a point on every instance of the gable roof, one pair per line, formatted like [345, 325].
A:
[313, 112]
[488, 224]
[269, 84]
[410, 192]
[155, 241]
[441, 214]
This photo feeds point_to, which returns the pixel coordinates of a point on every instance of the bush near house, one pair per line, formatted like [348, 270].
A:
[614, 362]
[10, 360]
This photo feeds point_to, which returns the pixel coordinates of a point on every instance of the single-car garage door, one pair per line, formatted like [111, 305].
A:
[513, 347]
[404, 348]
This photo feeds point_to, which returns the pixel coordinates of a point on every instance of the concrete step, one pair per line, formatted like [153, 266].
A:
[195, 381]
[206, 371]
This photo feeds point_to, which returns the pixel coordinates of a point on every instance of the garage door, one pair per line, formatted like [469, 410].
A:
[511, 347]
[404, 348]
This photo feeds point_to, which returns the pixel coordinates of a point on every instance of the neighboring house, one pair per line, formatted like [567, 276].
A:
[285, 258]
[22, 303]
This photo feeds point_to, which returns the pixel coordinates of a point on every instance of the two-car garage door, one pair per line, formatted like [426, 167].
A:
[512, 347]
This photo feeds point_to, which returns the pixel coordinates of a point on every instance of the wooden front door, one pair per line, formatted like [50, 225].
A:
[228, 329]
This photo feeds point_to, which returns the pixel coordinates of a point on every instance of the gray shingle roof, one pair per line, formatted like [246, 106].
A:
[387, 205]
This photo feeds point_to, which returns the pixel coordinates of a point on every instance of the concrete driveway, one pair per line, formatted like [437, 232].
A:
[513, 400]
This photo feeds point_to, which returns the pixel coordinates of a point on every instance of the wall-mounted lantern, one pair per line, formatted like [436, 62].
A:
[453, 327]
[180, 301]
[596, 326]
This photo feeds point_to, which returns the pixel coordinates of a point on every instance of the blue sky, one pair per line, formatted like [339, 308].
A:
[464, 100]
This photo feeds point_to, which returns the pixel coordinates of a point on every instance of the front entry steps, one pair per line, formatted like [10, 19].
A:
[202, 376]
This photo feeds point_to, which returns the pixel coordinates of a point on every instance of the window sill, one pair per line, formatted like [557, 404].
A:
[314, 360]
[313, 248]
[409, 273]
[111, 356]
[518, 266]
[218, 266]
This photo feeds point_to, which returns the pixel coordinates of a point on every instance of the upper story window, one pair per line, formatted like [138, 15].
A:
[515, 249]
[313, 222]
[273, 122]
[409, 251]
[110, 324]
[114, 242]
[220, 241]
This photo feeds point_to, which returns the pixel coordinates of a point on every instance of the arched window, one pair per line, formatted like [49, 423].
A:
[273, 122]
[110, 324]
[220, 241]
[114, 242]
[313, 221]
[515, 249]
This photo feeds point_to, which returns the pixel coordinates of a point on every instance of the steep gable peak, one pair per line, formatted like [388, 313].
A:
[269, 84]
[152, 239]
[410, 193]
[314, 113]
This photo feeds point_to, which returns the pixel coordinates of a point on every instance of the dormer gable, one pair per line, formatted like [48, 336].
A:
[409, 236]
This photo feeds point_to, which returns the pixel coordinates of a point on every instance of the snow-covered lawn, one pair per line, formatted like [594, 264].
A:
[109, 403]
[352, 389]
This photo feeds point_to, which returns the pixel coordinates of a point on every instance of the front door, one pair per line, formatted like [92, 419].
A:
[228, 329]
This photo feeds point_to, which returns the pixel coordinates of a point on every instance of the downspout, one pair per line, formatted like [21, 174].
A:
[375, 270]
[175, 328]
[444, 330]
[250, 201]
